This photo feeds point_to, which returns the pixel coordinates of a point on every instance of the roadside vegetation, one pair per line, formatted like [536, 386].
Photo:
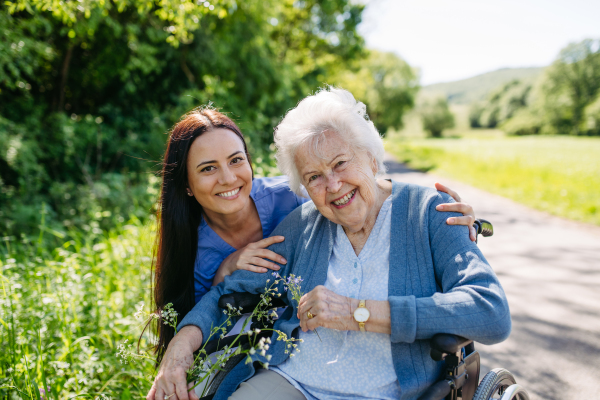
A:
[564, 100]
[67, 304]
[559, 175]
[535, 138]
[88, 91]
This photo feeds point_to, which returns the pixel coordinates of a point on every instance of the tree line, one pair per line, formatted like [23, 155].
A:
[565, 100]
[89, 89]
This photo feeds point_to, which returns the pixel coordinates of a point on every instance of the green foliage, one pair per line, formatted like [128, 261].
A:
[436, 116]
[572, 82]
[558, 175]
[500, 105]
[88, 90]
[386, 84]
[591, 116]
[560, 102]
[64, 311]
[525, 121]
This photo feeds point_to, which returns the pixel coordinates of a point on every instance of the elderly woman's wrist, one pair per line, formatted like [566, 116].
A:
[188, 338]
[353, 305]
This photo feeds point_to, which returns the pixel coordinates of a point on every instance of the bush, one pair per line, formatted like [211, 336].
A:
[500, 105]
[592, 118]
[65, 310]
[436, 116]
[89, 89]
[524, 122]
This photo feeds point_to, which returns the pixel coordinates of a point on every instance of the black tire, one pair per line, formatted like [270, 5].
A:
[494, 383]
[220, 375]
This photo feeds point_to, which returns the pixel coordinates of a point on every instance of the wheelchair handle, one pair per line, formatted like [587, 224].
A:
[483, 227]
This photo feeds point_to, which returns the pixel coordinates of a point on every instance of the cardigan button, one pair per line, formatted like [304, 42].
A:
[354, 280]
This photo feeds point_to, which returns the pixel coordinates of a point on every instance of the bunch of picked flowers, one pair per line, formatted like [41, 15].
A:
[205, 366]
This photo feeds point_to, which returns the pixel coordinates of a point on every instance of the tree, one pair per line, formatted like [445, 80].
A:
[592, 118]
[570, 84]
[500, 105]
[385, 83]
[436, 116]
[88, 89]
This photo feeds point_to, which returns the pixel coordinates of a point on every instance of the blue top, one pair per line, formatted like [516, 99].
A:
[274, 201]
[356, 364]
[439, 282]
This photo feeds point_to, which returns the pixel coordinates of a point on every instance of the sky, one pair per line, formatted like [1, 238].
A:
[456, 39]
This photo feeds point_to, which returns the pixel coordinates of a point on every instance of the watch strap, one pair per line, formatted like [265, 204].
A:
[362, 304]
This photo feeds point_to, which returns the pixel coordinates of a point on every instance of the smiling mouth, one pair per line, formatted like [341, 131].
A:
[344, 200]
[231, 193]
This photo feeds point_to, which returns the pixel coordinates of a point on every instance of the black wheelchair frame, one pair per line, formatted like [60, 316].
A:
[462, 361]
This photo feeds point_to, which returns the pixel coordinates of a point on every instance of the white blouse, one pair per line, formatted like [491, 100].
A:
[350, 363]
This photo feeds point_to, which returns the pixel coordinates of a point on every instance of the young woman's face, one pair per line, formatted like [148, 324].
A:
[219, 174]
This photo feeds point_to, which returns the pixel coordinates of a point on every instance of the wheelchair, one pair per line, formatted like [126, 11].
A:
[462, 362]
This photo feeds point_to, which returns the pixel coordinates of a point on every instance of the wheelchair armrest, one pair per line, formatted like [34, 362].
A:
[437, 391]
[443, 344]
[247, 301]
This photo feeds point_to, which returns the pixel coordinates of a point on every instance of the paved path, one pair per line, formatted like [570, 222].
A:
[550, 270]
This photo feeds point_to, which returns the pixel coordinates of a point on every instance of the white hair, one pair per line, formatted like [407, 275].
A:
[329, 110]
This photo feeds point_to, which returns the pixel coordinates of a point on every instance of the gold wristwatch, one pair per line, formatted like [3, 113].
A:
[361, 315]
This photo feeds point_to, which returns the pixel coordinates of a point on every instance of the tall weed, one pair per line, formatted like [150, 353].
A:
[64, 310]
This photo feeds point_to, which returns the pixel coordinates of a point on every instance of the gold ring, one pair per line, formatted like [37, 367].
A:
[309, 315]
[169, 396]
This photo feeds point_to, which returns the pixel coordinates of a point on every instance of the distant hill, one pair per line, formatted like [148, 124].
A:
[476, 88]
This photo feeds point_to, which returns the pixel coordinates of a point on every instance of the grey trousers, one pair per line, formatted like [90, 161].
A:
[267, 385]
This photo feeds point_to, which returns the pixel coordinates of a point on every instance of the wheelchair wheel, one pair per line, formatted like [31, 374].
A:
[494, 384]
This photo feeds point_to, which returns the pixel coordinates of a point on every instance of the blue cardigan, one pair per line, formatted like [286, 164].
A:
[439, 282]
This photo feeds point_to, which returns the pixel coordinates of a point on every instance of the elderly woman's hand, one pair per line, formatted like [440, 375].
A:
[171, 380]
[331, 310]
[328, 309]
[466, 210]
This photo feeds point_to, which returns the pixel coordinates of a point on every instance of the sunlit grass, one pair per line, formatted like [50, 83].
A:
[65, 310]
[560, 175]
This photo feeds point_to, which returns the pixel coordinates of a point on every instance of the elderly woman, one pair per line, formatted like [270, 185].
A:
[382, 273]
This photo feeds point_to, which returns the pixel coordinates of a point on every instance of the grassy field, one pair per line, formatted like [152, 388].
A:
[67, 303]
[559, 175]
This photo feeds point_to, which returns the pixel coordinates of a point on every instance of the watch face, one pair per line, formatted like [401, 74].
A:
[361, 314]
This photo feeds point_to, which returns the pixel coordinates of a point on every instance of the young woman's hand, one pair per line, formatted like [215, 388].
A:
[466, 210]
[254, 257]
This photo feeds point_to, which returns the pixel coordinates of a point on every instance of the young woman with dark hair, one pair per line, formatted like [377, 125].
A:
[214, 217]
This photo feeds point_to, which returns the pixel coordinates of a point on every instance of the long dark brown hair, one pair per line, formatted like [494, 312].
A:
[179, 216]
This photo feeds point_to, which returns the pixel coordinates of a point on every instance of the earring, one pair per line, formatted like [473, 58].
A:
[189, 192]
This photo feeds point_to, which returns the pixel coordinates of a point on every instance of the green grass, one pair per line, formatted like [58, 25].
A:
[559, 175]
[65, 309]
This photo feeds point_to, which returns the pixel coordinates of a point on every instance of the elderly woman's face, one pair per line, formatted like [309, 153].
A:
[339, 181]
